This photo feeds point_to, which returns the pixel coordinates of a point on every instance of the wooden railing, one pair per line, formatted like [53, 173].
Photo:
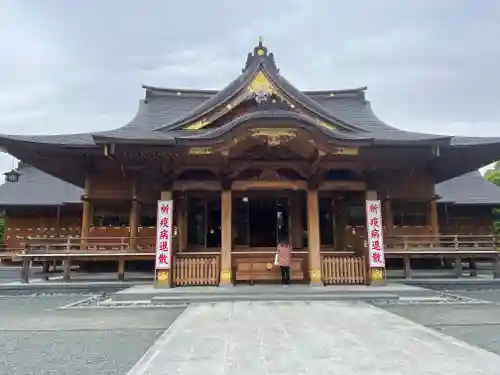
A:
[455, 248]
[345, 269]
[196, 269]
[442, 242]
[89, 245]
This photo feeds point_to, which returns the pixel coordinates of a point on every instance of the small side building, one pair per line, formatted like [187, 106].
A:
[39, 206]
[466, 203]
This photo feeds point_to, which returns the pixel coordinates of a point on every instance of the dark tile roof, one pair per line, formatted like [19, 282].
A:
[164, 112]
[470, 188]
[38, 188]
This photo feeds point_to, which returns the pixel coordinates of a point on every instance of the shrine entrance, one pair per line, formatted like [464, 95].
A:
[260, 221]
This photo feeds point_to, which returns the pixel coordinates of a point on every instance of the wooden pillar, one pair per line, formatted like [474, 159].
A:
[166, 195]
[314, 255]
[134, 218]
[388, 218]
[25, 270]
[297, 228]
[433, 217]
[388, 221]
[182, 223]
[134, 221]
[226, 237]
[58, 221]
[86, 214]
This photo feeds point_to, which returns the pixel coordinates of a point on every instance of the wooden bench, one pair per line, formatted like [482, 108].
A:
[259, 266]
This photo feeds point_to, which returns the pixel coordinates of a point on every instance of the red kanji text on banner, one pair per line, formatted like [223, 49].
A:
[375, 236]
[164, 232]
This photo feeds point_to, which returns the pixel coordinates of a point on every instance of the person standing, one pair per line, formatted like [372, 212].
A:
[284, 259]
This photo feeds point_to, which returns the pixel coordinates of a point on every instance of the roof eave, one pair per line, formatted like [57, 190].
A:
[307, 102]
[101, 141]
[444, 142]
[219, 99]
[221, 132]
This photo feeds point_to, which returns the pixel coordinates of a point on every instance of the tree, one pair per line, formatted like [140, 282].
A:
[493, 175]
[496, 220]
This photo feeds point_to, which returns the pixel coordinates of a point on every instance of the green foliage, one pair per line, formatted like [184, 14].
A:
[493, 175]
[496, 220]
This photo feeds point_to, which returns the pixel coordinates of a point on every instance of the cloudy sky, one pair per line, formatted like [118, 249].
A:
[78, 65]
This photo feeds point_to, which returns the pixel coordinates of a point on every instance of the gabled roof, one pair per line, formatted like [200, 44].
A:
[164, 113]
[470, 188]
[37, 188]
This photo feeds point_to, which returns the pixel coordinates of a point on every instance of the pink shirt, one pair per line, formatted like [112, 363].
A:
[284, 255]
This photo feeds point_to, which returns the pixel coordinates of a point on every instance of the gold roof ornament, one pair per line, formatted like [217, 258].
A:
[326, 124]
[346, 151]
[259, 50]
[197, 125]
[274, 137]
[200, 151]
[261, 84]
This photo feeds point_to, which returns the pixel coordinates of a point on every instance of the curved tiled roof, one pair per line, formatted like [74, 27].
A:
[163, 113]
[469, 188]
[37, 188]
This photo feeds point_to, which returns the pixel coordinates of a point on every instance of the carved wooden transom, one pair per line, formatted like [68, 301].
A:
[266, 153]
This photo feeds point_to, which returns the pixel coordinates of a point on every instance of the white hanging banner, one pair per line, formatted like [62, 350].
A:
[375, 234]
[164, 224]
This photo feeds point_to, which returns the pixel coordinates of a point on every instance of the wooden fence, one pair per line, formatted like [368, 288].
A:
[196, 269]
[443, 242]
[343, 269]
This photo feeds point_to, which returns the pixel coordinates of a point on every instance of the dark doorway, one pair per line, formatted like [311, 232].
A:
[263, 222]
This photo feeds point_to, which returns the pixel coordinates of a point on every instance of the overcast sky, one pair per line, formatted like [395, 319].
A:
[78, 65]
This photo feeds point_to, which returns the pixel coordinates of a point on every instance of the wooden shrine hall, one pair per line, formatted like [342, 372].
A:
[245, 165]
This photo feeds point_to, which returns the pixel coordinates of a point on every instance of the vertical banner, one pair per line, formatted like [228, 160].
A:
[375, 234]
[164, 224]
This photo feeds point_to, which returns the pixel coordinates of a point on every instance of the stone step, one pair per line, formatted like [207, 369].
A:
[212, 298]
[256, 293]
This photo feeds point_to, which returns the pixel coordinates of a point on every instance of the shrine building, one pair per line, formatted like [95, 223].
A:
[245, 165]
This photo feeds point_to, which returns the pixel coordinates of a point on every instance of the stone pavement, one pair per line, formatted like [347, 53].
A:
[307, 338]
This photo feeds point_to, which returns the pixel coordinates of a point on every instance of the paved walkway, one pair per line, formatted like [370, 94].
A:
[307, 338]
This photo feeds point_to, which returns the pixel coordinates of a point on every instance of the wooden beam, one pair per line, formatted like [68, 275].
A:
[134, 219]
[86, 213]
[433, 217]
[226, 237]
[314, 254]
[297, 230]
[342, 185]
[268, 185]
[196, 185]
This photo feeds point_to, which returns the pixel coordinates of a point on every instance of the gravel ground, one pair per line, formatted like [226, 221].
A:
[477, 324]
[36, 338]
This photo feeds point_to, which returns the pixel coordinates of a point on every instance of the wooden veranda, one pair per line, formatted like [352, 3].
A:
[203, 267]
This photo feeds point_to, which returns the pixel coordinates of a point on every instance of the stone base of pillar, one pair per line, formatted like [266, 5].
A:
[377, 276]
[225, 279]
[163, 279]
[315, 278]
